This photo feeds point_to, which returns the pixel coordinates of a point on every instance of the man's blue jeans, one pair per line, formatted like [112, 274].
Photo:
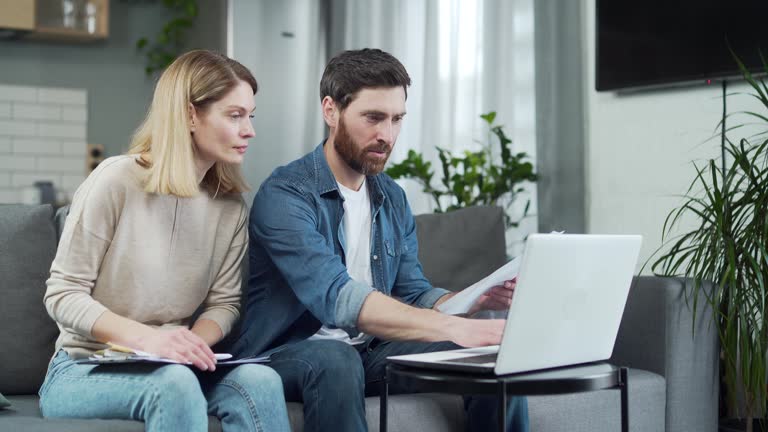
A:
[167, 397]
[332, 379]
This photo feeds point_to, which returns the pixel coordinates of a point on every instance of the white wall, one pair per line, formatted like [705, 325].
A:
[279, 43]
[640, 147]
[42, 138]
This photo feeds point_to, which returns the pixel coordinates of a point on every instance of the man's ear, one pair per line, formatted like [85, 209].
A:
[330, 112]
[193, 119]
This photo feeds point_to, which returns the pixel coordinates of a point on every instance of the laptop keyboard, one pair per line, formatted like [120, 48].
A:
[477, 359]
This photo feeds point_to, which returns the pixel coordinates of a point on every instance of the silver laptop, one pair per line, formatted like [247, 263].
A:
[570, 296]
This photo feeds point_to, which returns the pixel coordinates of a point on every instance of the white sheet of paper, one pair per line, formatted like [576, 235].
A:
[118, 357]
[464, 299]
[108, 354]
[244, 361]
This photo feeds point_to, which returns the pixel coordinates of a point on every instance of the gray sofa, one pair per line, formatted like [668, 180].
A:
[673, 382]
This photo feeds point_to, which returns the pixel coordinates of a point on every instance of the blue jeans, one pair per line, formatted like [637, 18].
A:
[166, 397]
[334, 377]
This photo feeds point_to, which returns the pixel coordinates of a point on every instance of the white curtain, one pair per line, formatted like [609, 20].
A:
[465, 58]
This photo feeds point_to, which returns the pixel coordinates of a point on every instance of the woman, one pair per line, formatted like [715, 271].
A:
[151, 237]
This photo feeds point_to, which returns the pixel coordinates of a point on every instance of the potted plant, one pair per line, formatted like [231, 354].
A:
[473, 178]
[169, 42]
[728, 246]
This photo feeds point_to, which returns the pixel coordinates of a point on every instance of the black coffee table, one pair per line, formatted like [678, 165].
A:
[571, 379]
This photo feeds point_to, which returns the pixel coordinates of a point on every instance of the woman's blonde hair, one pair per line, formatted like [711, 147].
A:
[164, 139]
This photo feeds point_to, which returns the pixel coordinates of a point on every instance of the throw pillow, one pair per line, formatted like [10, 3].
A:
[4, 402]
[27, 248]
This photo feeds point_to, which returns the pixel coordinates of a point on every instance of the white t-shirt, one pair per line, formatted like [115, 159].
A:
[357, 249]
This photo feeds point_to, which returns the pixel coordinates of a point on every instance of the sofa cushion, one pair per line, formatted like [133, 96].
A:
[458, 248]
[422, 412]
[25, 416]
[601, 410]
[426, 412]
[27, 333]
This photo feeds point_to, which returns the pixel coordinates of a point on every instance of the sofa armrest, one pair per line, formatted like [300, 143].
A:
[657, 334]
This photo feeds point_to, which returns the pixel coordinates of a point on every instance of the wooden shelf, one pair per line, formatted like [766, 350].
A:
[17, 14]
[35, 16]
[64, 34]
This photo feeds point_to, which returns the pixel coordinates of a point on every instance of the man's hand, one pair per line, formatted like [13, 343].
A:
[497, 298]
[476, 332]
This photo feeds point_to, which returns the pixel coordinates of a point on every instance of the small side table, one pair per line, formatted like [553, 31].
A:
[572, 379]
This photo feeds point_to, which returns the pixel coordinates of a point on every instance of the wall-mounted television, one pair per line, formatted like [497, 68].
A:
[654, 43]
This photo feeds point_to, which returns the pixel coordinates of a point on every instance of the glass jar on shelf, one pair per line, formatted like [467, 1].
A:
[68, 14]
[91, 16]
[71, 20]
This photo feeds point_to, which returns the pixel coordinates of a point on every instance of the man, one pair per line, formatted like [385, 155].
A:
[335, 283]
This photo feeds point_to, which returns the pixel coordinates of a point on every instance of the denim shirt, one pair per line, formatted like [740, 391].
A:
[298, 277]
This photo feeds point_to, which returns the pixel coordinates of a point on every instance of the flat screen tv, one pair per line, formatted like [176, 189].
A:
[654, 43]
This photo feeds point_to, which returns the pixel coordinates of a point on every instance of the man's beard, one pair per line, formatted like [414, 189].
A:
[356, 157]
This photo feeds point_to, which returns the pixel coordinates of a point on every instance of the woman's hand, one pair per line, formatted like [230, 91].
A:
[179, 344]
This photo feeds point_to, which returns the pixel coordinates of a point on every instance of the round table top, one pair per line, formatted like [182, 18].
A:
[569, 379]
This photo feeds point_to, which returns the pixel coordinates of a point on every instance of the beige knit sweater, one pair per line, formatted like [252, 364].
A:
[151, 258]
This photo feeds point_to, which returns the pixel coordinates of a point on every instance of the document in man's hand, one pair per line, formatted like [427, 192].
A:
[464, 299]
[117, 354]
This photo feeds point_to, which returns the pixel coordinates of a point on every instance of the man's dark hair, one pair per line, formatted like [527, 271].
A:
[352, 71]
